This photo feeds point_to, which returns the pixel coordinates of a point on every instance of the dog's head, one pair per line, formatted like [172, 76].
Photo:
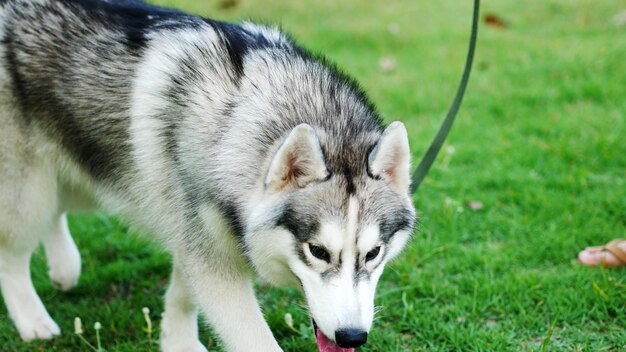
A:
[330, 218]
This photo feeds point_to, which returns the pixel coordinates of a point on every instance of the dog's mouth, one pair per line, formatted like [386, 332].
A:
[324, 344]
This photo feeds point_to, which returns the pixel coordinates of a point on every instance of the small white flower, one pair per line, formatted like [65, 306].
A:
[146, 316]
[97, 325]
[78, 326]
[289, 320]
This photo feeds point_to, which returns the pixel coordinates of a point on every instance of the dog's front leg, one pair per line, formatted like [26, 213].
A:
[225, 297]
[179, 327]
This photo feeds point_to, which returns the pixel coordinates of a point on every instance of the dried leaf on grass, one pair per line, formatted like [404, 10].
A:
[228, 4]
[494, 20]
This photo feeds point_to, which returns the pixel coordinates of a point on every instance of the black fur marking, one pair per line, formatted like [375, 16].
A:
[10, 57]
[230, 210]
[367, 163]
[135, 18]
[301, 226]
[349, 175]
[300, 251]
[236, 45]
[401, 220]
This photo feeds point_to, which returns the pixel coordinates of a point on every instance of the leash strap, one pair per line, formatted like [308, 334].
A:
[427, 161]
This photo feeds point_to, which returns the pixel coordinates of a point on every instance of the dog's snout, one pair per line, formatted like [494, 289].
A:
[349, 338]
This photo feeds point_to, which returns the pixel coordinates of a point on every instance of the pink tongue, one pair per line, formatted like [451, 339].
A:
[324, 344]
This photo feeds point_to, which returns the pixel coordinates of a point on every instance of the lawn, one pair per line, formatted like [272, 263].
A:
[540, 143]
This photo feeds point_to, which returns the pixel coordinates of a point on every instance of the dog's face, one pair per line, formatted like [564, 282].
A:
[333, 232]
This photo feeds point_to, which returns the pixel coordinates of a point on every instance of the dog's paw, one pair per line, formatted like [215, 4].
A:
[38, 328]
[64, 272]
[169, 345]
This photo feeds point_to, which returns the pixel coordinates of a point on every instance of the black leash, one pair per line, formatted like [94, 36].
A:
[427, 161]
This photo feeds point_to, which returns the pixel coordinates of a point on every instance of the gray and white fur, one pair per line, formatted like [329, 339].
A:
[235, 148]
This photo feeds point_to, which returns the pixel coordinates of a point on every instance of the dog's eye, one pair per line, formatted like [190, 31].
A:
[319, 252]
[371, 255]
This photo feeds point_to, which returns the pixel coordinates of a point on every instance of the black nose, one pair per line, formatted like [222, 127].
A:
[349, 338]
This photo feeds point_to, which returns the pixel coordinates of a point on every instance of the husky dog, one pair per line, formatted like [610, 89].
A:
[238, 150]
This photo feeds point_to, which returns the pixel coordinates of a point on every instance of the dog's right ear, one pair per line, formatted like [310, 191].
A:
[391, 157]
[299, 161]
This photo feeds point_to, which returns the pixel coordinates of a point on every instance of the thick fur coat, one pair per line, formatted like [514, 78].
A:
[234, 147]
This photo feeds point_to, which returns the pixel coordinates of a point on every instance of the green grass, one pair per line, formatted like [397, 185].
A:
[540, 141]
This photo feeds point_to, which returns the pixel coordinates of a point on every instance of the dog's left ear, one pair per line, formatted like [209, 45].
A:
[299, 161]
[391, 157]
